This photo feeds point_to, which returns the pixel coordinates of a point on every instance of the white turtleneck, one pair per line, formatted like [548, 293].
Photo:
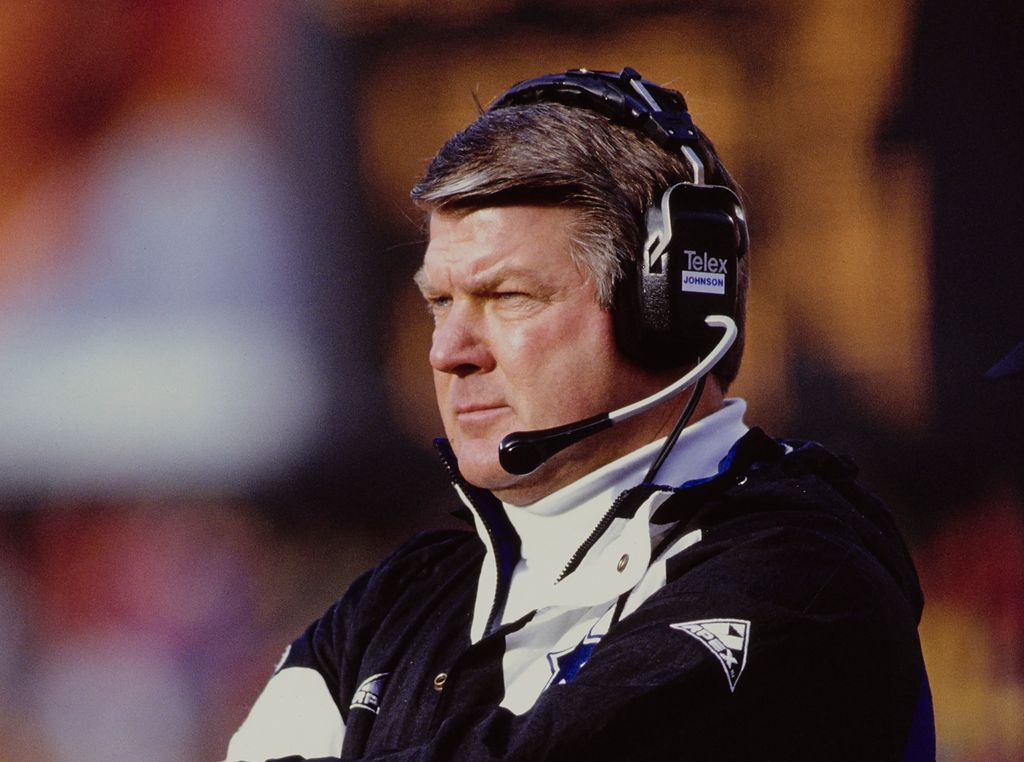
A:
[552, 528]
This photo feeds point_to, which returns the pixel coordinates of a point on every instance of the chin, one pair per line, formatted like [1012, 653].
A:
[478, 464]
[499, 482]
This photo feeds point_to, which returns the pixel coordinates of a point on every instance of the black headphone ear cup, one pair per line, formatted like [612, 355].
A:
[641, 311]
[687, 270]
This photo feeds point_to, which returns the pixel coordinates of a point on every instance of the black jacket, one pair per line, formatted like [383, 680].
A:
[787, 631]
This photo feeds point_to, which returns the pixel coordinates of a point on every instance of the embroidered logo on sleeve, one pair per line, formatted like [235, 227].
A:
[367, 695]
[727, 639]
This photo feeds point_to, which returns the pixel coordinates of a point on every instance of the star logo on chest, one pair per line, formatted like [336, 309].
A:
[567, 663]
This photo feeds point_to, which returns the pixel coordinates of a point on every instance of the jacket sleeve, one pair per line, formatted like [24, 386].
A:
[608, 717]
[294, 713]
[829, 668]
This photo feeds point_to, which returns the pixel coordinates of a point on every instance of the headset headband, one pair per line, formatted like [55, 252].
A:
[625, 98]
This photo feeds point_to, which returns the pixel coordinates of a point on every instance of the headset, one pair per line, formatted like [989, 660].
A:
[677, 302]
[696, 234]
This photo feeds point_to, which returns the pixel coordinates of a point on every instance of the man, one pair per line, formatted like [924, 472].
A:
[636, 588]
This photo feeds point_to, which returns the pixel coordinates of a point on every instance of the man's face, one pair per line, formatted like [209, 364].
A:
[520, 343]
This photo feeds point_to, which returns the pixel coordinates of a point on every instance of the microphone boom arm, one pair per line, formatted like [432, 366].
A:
[698, 371]
[524, 451]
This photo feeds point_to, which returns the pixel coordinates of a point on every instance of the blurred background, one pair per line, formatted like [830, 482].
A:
[215, 407]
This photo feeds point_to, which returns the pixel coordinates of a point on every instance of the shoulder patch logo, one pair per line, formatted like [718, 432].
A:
[727, 639]
[367, 695]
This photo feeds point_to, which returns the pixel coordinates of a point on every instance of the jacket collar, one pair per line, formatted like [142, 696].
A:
[747, 453]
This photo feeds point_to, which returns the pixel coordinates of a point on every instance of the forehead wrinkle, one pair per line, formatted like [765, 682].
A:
[479, 258]
[489, 277]
[483, 276]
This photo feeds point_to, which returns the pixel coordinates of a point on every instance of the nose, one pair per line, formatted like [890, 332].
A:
[459, 344]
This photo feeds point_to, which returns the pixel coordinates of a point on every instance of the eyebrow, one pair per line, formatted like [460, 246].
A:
[480, 283]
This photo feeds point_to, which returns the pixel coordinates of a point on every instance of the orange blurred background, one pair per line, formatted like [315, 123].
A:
[212, 358]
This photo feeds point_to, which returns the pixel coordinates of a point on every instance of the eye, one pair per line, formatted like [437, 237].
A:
[517, 302]
[437, 304]
[512, 297]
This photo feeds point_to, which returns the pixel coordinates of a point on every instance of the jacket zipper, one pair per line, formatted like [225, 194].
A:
[457, 481]
[602, 526]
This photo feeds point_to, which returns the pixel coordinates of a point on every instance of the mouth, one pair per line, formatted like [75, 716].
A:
[479, 413]
[472, 409]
